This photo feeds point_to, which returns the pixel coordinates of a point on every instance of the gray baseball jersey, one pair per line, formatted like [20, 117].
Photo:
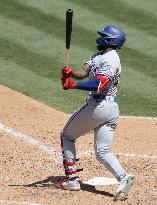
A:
[107, 64]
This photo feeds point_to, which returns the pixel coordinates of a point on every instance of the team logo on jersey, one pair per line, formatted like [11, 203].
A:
[106, 70]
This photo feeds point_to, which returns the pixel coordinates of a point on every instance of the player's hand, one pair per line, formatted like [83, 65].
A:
[67, 72]
[68, 84]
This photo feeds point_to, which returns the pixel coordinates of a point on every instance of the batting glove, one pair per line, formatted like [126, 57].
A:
[67, 72]
[68, 84]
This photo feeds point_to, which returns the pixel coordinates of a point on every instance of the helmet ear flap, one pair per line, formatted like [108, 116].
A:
[103, 42]
[100, 44]
[100, 40]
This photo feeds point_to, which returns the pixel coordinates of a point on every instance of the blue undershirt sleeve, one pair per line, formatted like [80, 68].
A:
[89, 85]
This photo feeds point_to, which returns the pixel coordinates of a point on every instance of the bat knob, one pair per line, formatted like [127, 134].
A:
[69, 10]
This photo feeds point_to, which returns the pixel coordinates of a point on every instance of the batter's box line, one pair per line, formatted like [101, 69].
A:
[83, 153]
[19, 202]
[56, 155]
[138, 117]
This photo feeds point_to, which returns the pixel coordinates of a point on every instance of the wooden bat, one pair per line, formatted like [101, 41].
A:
[69, 17]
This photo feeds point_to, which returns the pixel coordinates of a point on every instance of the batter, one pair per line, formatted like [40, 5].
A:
[100, 112]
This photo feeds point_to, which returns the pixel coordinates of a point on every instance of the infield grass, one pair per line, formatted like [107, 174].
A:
[32, 42]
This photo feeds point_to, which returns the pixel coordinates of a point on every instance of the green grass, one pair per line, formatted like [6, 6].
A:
[32, 42]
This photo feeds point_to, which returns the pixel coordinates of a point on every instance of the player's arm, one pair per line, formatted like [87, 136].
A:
[99, 83]
[79, 74]
[83, 72]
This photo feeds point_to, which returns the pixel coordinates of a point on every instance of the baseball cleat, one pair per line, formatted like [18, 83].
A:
[69, 184]
[124, 187]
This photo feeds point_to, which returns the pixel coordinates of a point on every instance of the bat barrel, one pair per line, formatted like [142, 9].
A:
[69, 16]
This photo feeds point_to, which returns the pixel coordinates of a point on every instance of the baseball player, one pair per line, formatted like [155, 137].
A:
[100, 112]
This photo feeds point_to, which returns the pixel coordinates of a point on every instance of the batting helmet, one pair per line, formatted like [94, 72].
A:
[111, 36]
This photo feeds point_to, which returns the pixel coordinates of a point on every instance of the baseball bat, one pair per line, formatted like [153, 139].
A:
[69, 17]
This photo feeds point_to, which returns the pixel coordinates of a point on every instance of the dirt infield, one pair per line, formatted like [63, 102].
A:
[30, 160]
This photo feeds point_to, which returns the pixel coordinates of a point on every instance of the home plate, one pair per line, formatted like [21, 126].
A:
[103, 181]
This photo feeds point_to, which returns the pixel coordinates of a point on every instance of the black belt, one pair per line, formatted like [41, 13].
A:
[99, 96]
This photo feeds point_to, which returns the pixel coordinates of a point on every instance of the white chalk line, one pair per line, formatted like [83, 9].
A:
[18, 202]
[28, 139]
[56, 156]
[53, 152]
[145, 156]
[138, 117]
[135, 117]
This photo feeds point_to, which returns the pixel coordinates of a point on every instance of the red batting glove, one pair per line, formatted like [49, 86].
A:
[67, 72]
[68, 84]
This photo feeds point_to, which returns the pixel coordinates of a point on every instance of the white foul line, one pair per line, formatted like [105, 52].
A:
[57, 159]
[137, 117]
[54, 153]
[145, 156]
[28, 139]
[18, 202]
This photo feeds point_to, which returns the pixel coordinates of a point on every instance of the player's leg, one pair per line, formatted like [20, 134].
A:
[103, 142]
[80, 122]
[75, 126]
[103, 137]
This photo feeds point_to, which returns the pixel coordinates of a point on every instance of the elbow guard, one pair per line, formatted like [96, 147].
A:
[104, 81]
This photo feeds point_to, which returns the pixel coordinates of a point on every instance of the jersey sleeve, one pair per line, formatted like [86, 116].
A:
[105, 70]
[91, 62]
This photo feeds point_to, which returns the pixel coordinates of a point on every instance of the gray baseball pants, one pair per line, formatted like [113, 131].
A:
[100, 115]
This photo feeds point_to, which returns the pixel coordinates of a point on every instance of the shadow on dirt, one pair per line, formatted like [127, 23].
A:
[48, 182]
[52, 181]
[92, 189]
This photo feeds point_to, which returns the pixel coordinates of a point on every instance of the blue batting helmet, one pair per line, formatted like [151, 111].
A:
[111, 36]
